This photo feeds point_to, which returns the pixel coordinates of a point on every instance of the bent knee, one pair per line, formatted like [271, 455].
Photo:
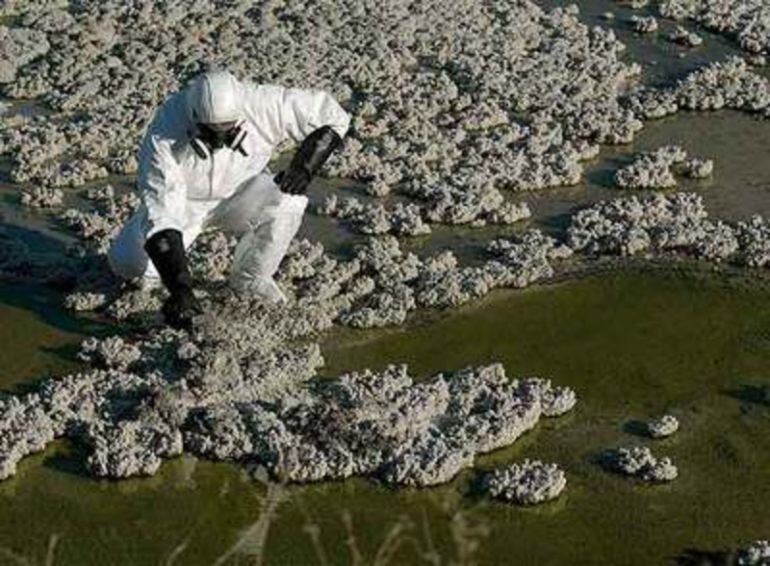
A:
[291, 205]
[126, 255]
[127, 265]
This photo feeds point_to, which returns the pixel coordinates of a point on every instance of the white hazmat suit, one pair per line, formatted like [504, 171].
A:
[232, 189]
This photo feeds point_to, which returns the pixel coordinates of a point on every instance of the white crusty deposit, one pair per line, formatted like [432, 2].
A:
[699, 168]
[242, 389]
[434, 117]
[436, 127]
[663, 427]
[379, 285]
[528, 483]
[638, 461]
[19, 46]
[651, 170]
[374, 218]
[722, 84]
[100, 218]
[747, 20]
[755, 554]
[644, 24]
[42, 197]
[660, 224]
[683, 36]
[443, 205]
[656, 169]
[634, 4]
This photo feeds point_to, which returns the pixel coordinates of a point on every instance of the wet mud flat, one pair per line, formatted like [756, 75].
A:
[44, 338]
[632, 343]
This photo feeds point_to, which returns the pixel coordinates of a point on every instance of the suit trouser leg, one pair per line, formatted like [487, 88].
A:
[267, 220]
[127, 256]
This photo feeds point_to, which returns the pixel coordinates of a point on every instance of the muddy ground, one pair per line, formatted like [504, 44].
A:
[634, 339]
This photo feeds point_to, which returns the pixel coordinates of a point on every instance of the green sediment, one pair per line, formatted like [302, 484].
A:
[736, 141]
[633, 344]
[38, 338]
[190, 508]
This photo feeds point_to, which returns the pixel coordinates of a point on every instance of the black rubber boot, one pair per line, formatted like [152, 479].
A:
[166, 251]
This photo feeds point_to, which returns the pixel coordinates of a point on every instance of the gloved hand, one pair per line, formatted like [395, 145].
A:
[311, 155]
[180, 309]
[293, 181]
[166, 251]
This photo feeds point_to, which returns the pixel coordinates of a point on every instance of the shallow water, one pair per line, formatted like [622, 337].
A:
[38, 338]
[632, 344]
[737, 142]
[739, 188]
[662, 60]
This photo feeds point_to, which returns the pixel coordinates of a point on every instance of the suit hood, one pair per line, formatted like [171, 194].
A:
[214, 97]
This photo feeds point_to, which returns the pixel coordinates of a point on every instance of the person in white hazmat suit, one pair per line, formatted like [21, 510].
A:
[203, 162]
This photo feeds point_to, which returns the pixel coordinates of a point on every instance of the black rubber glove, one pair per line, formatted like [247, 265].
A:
[166, 251]
[293, 181]
[180, 309]
[311, 155]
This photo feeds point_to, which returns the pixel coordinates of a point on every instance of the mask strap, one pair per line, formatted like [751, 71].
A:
[203, 151]
[200, 148]
[237, 143]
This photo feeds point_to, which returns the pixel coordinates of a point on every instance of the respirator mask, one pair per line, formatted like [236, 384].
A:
[208, 138]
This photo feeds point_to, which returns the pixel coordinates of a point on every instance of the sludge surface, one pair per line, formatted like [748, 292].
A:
[692, 344]
[541, 165]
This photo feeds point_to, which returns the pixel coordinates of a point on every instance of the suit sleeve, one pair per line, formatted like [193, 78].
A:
[160, 180]
[295, 113]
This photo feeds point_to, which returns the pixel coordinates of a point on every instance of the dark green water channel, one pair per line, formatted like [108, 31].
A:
[38, 338]
[632, 344]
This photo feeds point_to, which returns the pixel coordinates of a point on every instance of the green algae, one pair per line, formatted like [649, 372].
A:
[189, 510]
[39, 339]
[633, 344]
[736, 141]
[662, 60]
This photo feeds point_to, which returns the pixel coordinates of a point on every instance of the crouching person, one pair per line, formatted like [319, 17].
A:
[203, 162]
